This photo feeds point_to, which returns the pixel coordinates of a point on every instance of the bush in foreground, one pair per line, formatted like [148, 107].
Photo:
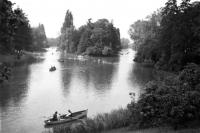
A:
[174, 101]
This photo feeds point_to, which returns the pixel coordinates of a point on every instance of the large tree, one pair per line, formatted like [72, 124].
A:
[39, 37]
[22, 37]
[15, 32]
[67, 32]
[175, 41]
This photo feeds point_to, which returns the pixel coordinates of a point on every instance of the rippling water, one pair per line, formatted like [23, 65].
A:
[93, 83]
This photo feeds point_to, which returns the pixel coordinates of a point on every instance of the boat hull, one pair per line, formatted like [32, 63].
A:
[68, 119]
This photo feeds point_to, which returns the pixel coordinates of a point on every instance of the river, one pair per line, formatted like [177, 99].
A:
[94, 83]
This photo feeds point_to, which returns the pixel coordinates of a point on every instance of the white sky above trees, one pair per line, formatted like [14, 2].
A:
[51, 13]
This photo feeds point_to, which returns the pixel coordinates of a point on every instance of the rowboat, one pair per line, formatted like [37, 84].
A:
[68, 118]
[52, 69]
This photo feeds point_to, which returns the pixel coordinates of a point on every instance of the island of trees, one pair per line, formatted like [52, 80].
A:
[98, 38]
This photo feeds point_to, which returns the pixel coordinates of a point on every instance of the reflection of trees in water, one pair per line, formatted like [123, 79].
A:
[16, 88]
[66, 80]
[141, 75]
[101, 76]
[93, 72]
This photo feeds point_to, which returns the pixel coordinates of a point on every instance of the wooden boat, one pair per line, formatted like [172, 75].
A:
[52, 68]
[67, 119]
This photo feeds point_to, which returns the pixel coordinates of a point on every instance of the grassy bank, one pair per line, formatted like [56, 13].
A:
[153, 130]
[11, 59]
[117, 121]
[106, 121]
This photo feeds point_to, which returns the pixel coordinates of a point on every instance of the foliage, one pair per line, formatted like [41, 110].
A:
[22, 37]
[169, 38]
[53, 41]
[10, 21]
[143, 30]
[125, 42]
[39, 38]
[97, 39]
[145, 36]
[174, 101]
[67, 32]
[15, 31]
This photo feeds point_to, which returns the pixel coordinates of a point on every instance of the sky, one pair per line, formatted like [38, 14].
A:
[51, 13]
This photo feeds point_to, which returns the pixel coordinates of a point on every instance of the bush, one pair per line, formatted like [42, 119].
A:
[107, 51]
[174, 101]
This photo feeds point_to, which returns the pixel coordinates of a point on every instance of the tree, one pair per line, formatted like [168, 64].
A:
[169, 39]
[22, 37]
[145, 34]
[67, 33]
[125, 42]
[15, 31]
[8, 25]
[39, 38]
[93, 38]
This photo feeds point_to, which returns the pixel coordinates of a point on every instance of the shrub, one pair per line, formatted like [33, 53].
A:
[173, 101]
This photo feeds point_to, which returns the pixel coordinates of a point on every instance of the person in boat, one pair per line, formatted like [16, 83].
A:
[70, 113]
[55, 116]
[67, 115]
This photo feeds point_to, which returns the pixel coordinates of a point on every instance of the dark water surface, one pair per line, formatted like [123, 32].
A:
[93, 83]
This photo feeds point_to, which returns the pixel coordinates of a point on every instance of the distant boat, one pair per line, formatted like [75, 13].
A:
[67, 119]
[52, 69]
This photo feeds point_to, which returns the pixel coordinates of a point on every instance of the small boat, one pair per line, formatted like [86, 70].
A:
[52, 68]
[67, 119]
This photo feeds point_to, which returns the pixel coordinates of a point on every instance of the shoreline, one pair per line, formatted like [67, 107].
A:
[11, 59]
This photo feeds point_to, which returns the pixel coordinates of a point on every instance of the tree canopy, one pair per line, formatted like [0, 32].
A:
[15, 30]
[94, 38]
[169, 38]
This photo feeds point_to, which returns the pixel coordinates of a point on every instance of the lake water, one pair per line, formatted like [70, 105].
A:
[94, 83]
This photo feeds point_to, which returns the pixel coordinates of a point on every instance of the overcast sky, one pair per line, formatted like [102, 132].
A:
[51, 13]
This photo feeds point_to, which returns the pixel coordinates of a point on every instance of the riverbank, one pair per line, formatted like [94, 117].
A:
[117, 121]
[11, 59]
[8, 61]
[153, 130]
[118, 118]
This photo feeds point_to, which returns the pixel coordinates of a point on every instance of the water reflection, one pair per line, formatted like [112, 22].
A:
[13, 95]
[13, 92]
[93, 83]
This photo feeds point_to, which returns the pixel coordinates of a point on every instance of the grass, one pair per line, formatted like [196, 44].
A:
[101, 122]
[154, 130]
[12, 59]
[117, 121]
